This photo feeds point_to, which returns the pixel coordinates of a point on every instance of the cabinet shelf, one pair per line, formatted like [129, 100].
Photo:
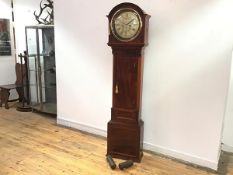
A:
[51, 70]
[52, 86]
[41, 54]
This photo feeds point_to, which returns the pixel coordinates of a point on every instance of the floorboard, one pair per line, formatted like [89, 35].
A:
[32, 144]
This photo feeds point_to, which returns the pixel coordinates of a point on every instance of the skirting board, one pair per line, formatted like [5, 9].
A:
[146, 146]
[181, 156]
[227, 148]
[82, 127]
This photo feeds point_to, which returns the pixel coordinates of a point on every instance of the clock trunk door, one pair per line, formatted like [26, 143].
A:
[125, 82]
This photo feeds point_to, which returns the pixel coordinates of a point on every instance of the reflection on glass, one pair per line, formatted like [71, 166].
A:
[42, 68]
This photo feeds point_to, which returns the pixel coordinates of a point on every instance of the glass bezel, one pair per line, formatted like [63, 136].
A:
[112, 24]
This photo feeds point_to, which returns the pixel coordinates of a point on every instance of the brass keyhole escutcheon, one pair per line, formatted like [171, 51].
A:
[116, 89]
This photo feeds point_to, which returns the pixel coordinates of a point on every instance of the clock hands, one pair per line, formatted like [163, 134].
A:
[129, 22]
[122, 22]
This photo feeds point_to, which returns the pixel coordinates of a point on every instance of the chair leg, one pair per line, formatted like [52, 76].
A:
[5, 97]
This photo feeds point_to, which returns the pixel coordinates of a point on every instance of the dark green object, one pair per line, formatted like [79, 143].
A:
[111, 162]
[125, 164]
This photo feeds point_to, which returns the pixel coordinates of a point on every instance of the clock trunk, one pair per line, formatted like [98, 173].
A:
[125, 129]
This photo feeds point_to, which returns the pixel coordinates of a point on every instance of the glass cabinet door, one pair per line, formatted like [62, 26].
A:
[42, 68]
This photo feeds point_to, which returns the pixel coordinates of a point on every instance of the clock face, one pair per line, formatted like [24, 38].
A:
[126, 24]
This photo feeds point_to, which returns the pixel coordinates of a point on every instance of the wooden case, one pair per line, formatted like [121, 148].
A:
[125, 129]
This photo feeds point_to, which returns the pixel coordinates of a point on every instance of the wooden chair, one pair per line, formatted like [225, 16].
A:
[5, 89]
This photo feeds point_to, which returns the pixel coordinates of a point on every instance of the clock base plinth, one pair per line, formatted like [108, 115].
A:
[124, 140]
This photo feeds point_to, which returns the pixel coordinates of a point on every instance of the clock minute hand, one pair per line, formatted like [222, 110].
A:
[130, 22]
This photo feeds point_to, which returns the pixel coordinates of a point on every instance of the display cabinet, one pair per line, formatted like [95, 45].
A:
[41, 68]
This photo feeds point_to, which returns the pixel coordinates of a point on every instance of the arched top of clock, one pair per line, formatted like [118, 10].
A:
[126, 5]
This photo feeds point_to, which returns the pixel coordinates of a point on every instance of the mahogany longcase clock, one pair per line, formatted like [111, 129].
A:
[128, 33]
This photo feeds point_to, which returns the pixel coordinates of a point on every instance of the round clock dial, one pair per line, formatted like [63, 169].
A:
[126, 24]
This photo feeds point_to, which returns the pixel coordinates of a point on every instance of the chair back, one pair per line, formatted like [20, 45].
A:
[20, 70]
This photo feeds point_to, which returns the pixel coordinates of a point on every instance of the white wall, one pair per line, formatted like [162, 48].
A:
[186, 73]
[23, 10]
[7, 63]
[228, 121]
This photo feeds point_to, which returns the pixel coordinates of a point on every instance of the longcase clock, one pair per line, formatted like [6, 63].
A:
[128, 33]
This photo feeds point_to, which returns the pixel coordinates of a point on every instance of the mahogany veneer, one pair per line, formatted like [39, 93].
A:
[125, 129]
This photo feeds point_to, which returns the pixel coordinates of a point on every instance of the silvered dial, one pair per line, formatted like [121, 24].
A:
[126, 24]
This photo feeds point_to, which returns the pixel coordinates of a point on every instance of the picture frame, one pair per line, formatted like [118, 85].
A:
[5, 40]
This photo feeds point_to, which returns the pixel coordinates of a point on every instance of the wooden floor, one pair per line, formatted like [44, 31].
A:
[32, 144]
